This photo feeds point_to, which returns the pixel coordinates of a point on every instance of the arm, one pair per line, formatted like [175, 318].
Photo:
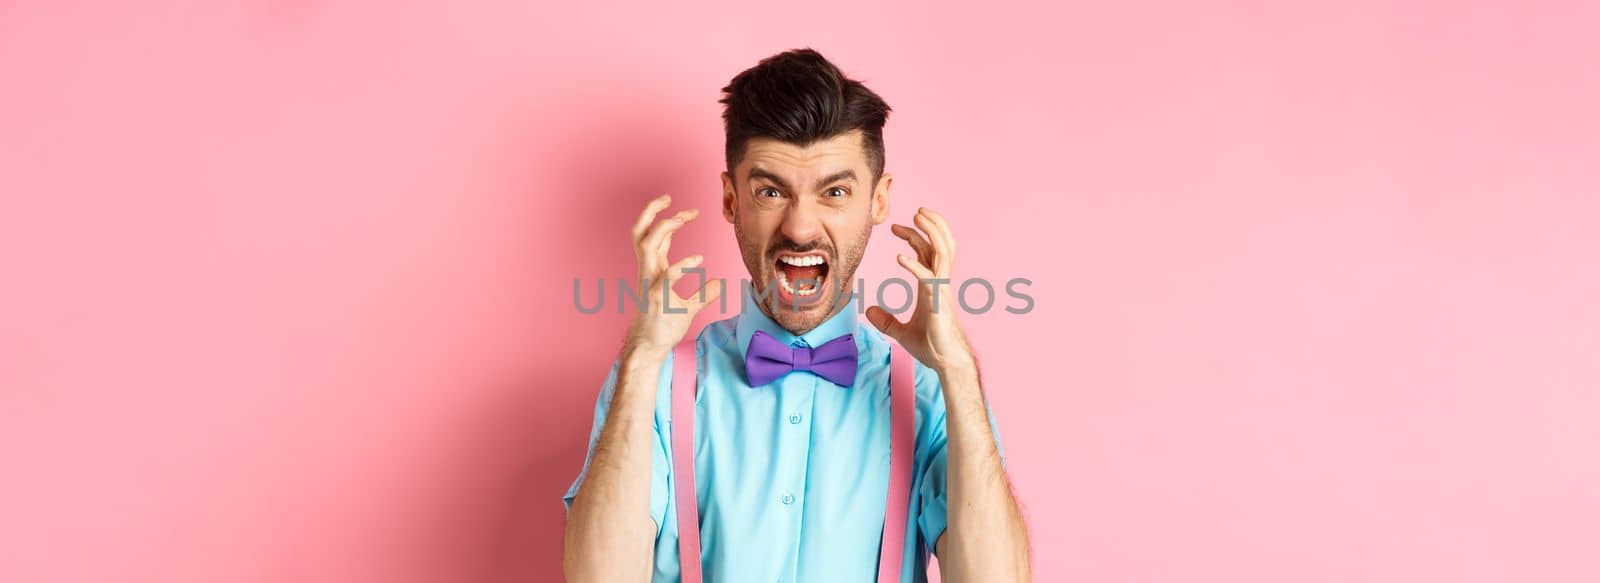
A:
[610, 535]
[986, 539]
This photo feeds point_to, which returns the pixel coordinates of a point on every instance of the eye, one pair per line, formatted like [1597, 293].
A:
[767, 192]
[836, 191]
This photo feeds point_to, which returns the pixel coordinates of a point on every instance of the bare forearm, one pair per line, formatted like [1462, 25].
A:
[985, 539]
[609, 535]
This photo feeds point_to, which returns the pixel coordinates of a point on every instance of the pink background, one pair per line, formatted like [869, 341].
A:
[287, 285]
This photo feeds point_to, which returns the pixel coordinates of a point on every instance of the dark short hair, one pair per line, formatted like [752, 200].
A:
[799, 97]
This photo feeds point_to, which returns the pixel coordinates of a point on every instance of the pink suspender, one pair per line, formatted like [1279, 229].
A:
[683, 459]
[902, 402]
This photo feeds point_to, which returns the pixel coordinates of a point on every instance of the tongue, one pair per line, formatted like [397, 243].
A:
[796, 273]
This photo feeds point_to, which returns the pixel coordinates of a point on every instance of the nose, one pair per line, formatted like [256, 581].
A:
[801, 222]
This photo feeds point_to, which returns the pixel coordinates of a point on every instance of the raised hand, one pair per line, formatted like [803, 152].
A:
[655, 328]
[932, 335]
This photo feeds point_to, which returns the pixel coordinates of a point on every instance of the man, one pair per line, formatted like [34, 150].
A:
[790, 471]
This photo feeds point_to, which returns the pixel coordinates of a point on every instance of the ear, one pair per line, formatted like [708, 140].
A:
[730, 199]
[880, 199]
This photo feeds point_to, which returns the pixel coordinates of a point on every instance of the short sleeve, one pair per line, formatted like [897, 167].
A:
[932, 485]
[659, 462]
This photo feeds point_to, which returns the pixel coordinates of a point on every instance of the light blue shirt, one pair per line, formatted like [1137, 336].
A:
[792, 476]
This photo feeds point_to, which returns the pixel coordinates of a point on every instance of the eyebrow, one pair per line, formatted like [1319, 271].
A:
[762, 173]
[836, 177]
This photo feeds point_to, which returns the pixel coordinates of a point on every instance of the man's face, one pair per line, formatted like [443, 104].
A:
[802, 216]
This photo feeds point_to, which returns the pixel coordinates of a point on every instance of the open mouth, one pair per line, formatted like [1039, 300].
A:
[801, 275]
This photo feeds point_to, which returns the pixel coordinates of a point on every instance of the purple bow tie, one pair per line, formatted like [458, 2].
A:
[767, 359]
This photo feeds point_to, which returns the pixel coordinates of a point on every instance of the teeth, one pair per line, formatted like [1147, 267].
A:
[783, 280]
[802, 261]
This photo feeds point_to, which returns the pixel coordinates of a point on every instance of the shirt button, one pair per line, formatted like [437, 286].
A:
[788, 499]
[794, 418]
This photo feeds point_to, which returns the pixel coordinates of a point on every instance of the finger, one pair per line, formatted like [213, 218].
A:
[712, 290]
[649, 215]
[651, 246]
[943, 223]
[670, 276]
[917, 242]
[923, 248]
[921, 272]
[675, 272]
[665, 241]
[885, 322]
[935, 239]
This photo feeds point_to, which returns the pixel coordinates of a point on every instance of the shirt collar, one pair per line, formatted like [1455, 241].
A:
[751, 318]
